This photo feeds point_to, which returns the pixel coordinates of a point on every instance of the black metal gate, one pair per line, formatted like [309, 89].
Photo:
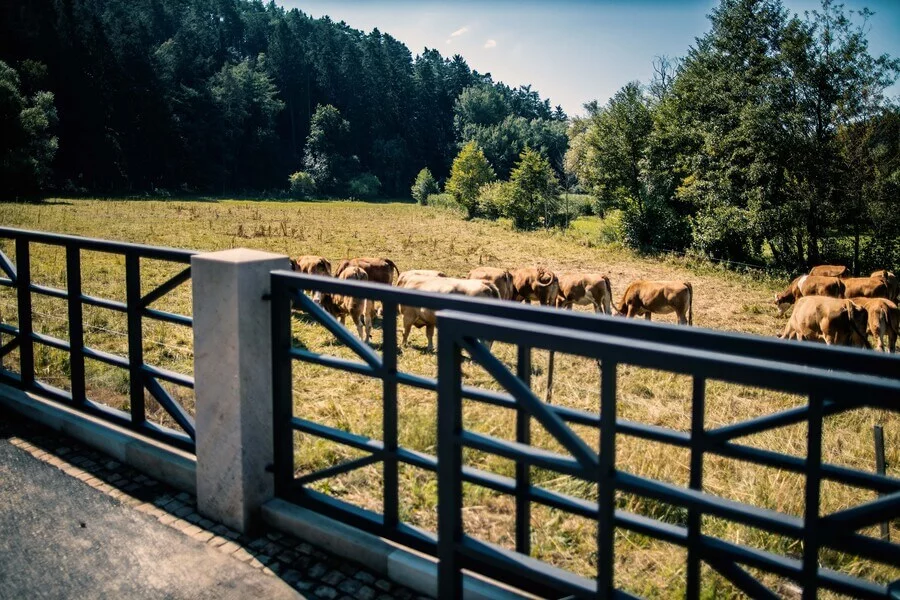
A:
[833, 380]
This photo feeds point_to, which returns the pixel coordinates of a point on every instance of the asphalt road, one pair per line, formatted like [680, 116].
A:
[60, 538]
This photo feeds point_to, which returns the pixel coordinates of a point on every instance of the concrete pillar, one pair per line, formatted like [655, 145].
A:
[233, 383]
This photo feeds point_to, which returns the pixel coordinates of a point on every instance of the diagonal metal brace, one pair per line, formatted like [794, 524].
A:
[531, 403]
[9, 346]
[339, 331]
[740, 578]
[165, 288]
[181, 416]
[877, 511]
[8, 268]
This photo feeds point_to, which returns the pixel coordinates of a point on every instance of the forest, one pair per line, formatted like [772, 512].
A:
[218, 97]
[771, 142]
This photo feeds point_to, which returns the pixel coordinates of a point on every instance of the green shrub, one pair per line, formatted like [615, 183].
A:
[494, 199]
[302, 185]
[657, 228]
[725, 232]
[610, 230]
[469, 172]
[424, 186]
[364, 186]
[535, 192]
[446, 202]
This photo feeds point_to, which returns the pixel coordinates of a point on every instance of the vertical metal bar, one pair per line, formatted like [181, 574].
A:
[449, 467]
[810, 567]
[76, 322]
[878, 433]
[550, 363]
[606, 529]
[282, 395]
[135, 336]
[523, 469]
[698, 445]
[23, 299]
[389, 399]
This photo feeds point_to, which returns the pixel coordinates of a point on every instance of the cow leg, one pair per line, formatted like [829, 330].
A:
[631, 311]
[647, 316]
[429, 333]
[407, 327]
[682, 319]
[786, 334]
[368, 321]
[359, 321]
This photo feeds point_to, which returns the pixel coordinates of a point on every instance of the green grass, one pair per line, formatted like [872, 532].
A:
[425, 237]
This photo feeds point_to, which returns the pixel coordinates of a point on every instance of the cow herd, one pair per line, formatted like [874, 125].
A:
[528, 284]
[830, 305]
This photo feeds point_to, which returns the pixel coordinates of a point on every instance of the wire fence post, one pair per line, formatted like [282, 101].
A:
[880, 468]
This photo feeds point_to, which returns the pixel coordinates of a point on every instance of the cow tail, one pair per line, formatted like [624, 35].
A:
[392, 265]
[609, 296]
[690, 303]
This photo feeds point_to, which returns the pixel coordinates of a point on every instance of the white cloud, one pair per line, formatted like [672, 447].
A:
[459, 32]
[490, 44]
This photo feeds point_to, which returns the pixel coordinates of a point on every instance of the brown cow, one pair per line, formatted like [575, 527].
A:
[884, 320]
[808, 285]
[865, 287]
[585, 288]
[414, 316]
[417, 274]
[837, 321]
[661, 297]
[311, 265]
[379, 270]
[535, 283]
[360, 310]
[893, 285]
[501, 278]
[830, 271]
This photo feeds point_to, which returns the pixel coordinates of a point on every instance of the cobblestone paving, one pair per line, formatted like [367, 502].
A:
[311, 571]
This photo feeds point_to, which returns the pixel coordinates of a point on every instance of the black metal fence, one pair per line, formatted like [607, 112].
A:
[142, 376]
[833, 380]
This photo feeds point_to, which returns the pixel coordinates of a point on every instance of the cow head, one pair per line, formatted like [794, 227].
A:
[783, 301]
[341, 266]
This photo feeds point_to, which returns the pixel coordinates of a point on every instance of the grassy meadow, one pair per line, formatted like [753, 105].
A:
[425, 237]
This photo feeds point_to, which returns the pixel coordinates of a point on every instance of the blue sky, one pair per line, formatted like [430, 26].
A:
[571, 51]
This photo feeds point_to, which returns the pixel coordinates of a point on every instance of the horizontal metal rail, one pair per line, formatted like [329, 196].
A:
[751, 346]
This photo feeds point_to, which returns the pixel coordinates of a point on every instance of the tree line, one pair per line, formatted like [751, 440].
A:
[771, 142]
[234, 96]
